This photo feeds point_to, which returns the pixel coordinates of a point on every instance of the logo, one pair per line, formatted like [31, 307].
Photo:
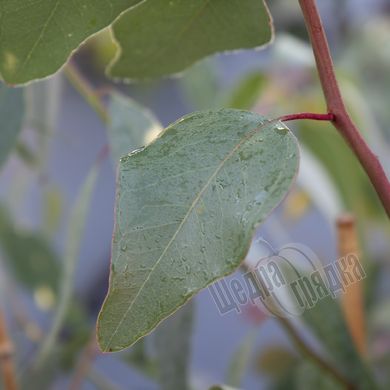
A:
[286, 282]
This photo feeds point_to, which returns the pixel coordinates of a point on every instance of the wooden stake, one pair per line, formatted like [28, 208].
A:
[352, 300]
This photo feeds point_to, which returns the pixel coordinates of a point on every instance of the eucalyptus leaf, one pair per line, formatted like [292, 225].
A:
[173, 347]
[247, 91]
[200, 85]
[37, 37]
[163, 37]
[28, 255]
[43, 102]
[352, 183]
[131, 126]
[11, 115]
[141, 359]
[187, 206]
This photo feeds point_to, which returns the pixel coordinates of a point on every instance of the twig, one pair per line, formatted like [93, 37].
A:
[101, 381]
[342, 121]
[317, 359]
[86, 90]
[304, 348]
[6, 361]
[307, 115]
[83, 368]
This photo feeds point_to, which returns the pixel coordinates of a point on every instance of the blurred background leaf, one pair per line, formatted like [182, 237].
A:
[12, 107]
[131, 126]
[30, 258]
[173, 345]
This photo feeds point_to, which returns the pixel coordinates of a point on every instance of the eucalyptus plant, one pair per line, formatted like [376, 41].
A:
[189, 197]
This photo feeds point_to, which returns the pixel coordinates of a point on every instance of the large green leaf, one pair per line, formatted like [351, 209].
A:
[162, 37]
[187, 207]
[37, 37]
[11, 117]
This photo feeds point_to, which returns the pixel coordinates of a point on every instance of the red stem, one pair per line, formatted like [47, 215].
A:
[307, 115]
[342, 121]
[7, 369]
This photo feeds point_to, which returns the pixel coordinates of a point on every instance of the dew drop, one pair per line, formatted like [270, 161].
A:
[280, 128]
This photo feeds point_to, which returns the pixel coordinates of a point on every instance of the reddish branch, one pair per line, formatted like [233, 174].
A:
[336, 106]
[7, 371]
[307, 115]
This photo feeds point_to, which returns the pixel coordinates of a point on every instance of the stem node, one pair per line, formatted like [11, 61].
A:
[341, 119]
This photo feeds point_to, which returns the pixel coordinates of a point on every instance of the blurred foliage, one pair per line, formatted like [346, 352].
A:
[200, 85]
[12, 107]
[308, 377]
[130, 127]
[275, 361]
[29, 256]
[247, 92]
[173, 349]
[241, 359]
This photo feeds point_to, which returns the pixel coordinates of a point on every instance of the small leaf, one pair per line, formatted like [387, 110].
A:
[38, 37]
[140, 358]
[131, 126]
[187, 206]
[172, 340]
[350, 180]
[11, 116]
[43, 102]
[199, 85]
[245, 94]
[29, 256]
[52, 210]
[163, 37]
